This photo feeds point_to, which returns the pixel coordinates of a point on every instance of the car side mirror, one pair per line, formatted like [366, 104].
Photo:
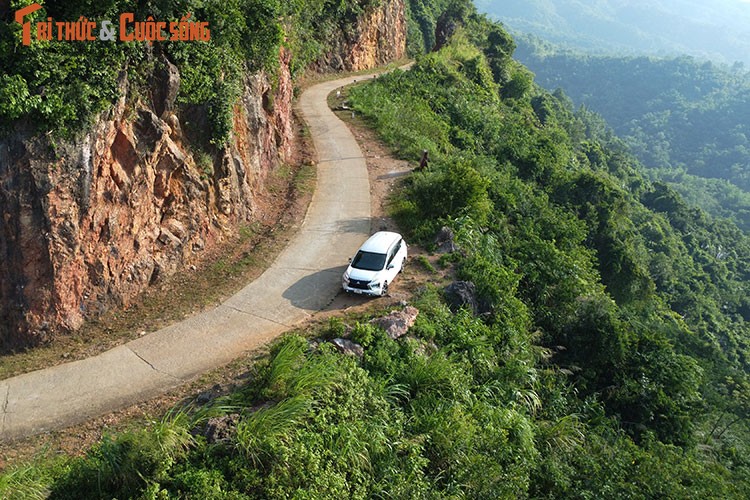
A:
[350, 260]
[390, 266]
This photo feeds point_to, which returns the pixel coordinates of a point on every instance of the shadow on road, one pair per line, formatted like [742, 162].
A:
[357, 225]
[315, 291]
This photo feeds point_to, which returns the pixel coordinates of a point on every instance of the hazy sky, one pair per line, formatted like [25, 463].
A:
[708, 29]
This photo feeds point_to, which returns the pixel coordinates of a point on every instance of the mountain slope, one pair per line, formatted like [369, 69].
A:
[685, 120]
[715, 29]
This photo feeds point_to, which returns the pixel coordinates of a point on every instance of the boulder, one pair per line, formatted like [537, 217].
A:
[397, 323]
[221, 429]
[462, 294]
[348, 347]
[445, 240]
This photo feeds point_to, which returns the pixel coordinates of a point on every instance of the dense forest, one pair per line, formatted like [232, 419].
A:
[607, 355]
[710, 29]
[686, 120]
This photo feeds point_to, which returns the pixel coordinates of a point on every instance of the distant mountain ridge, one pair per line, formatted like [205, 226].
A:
[712, 29]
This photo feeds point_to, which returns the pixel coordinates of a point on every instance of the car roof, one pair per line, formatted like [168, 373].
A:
[380, 242]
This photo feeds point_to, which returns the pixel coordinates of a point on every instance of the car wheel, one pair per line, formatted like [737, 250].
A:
[385, 289]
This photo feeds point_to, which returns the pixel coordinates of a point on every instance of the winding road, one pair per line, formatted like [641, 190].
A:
[303, 279]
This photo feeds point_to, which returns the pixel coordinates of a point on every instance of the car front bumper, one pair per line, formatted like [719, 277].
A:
[374, 292]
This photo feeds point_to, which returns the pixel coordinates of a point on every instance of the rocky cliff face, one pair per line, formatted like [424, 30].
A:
[89, 224]
[378, 38]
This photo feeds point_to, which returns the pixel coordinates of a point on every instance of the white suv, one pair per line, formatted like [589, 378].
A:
[376, 264]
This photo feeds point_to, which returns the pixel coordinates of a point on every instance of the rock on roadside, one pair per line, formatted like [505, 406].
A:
[397, 323]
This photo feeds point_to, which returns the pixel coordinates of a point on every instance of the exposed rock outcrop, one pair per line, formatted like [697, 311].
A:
[88, 224]
[346, 346]
[397, 323]
[376, 38]
[446, 240]
[221, 429]
[462, 294]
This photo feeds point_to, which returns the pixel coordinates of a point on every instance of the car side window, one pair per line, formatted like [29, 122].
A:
[394, 252]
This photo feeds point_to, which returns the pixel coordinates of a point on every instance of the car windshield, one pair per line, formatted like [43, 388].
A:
[369, 261]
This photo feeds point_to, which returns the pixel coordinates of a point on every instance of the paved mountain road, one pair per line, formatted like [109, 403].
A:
[303, 279]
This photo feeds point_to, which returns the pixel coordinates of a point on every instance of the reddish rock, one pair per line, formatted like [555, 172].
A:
[397, 323]
[89, 224]
[377, 38]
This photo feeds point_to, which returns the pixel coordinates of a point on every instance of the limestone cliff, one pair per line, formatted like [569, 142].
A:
[88, 224]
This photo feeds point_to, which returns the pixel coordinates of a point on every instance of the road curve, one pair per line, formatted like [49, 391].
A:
[302, 279]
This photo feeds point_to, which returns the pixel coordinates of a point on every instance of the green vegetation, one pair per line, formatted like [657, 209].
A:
[685, 120]
[426, 264]
[422, 17]
[611, 361]
[639, 298]
[61, 86]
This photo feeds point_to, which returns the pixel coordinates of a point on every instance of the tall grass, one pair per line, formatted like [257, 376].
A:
[26, 482]
[259, 430]
[124, 465]
[292, 373]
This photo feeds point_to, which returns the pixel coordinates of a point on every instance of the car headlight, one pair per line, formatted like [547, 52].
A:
[346, 277]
